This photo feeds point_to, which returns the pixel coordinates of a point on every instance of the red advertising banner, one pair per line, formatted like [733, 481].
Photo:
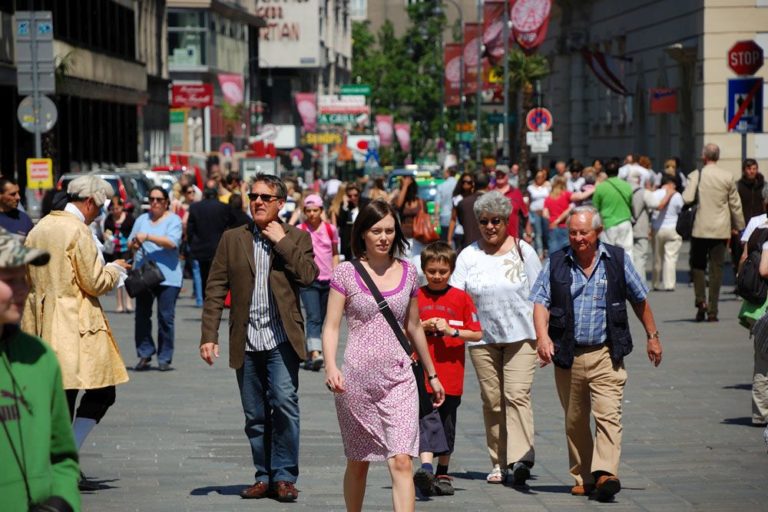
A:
[385, 129]
[663, 100]
[403, 133]
[232, 88]
[473, 33]
[530, 20]
[191, 96]
[493, 28]
[306, 104]
[452, 79]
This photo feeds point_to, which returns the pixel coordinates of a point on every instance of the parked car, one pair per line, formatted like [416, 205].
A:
[136, 180]
[122, 188]
[178, 170]
[163, 179]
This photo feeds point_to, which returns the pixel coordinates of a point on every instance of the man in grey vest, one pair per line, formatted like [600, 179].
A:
[581, 322]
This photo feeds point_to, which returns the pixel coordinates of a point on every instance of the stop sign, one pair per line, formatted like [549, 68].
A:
[745, 57]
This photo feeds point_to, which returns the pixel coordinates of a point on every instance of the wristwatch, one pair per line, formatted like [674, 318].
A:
[455, 333]
[653, 335]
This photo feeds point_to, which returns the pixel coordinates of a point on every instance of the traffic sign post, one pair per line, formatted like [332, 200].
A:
[539, 118]
[34, 61]
[38, 120]
[39, 173]
[745, 95]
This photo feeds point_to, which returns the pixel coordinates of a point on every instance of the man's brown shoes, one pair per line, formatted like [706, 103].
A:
[256, 491]
[282, 491]
[582, 490]
[285, 491]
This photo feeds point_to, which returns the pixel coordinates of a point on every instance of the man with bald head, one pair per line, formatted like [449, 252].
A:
[719, 215]
[582, 326]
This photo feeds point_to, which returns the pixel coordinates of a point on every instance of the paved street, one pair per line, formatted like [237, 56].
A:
[174, 441]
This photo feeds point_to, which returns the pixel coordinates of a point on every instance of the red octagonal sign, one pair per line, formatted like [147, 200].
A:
[745, 57]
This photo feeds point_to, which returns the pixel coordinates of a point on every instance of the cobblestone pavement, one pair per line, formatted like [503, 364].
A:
[174, 441]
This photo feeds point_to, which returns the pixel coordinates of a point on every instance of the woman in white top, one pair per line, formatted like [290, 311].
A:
[498, 272]
[666, 240]
[538, 191]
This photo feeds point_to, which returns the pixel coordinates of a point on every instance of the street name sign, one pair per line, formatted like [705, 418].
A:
[745, 105]
[745, 58]
[355, 89]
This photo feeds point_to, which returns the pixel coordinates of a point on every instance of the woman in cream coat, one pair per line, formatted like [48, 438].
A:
[63, 306]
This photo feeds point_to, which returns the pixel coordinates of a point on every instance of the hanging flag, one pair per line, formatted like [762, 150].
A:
[473, 33]
[384, 127]
[663, 100]
[452, 78]
[232, 88]
[609, 70]
[403, 132]
[493, 28]
[306, 104]
[530, 20]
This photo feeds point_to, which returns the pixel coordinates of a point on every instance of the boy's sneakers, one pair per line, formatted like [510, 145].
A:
[444, 485]
[424, 482]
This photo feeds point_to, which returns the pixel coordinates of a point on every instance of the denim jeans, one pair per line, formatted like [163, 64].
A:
[269, 387]
[197, 283]
[315, 300]
[557, 239]
[541, 229]
[166, 313]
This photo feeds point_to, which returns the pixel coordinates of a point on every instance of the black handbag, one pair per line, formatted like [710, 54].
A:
[687, 215]
[425, 400]
[144, 278]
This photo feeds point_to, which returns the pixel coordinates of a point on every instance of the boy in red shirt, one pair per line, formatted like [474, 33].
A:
[449, 318]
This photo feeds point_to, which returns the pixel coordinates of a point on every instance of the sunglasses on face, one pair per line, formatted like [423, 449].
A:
[156, 199]
[267, 198]
[494, 221]
[467, 182]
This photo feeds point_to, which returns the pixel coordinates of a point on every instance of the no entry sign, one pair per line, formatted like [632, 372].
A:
[539, 119]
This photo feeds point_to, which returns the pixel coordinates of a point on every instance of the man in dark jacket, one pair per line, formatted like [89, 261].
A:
[753, 192]
[208, 219]
[581, 322]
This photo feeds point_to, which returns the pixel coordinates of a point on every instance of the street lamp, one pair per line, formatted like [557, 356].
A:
[437, 11]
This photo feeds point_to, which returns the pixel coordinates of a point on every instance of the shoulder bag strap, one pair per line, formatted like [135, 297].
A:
[698, 182]
[389, 316]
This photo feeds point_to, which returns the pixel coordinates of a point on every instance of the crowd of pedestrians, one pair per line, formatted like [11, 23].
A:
[533, 268]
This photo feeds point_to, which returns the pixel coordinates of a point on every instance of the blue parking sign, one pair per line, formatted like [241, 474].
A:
[745, 105]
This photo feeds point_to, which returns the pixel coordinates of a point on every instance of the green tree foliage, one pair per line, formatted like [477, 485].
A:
[405, 73]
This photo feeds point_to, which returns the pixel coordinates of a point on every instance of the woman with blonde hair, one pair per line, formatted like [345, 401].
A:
[336, 204]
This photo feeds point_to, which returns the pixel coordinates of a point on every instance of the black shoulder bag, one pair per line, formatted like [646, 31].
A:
[687, 215]
[425, 401]
[144, 278]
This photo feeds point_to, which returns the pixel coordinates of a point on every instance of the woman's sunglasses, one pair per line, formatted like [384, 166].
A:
[494, 221]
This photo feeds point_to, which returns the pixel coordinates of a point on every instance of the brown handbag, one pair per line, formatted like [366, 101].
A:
[424, 228]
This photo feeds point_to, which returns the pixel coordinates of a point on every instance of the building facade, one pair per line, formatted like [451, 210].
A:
[101, 85]
[645, 45]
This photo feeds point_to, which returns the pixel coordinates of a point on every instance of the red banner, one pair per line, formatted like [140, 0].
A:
[530, 21]
[385, 129]
[473, 33]
[232, 88]
[403, 132]
[452, 79]
[493, 28]
[663, 100]
[306, 104]
[191, 96]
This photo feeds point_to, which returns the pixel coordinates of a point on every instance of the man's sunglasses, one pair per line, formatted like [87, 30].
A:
[267, 198]
[494, 221]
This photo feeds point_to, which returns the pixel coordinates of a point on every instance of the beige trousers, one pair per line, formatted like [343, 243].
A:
[506, 369]
[592, 385]
[666, 248]
[760, 388]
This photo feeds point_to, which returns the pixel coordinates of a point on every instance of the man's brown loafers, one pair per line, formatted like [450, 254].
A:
[256, 491]
[582, 490]
[606, 487]
[285, 491]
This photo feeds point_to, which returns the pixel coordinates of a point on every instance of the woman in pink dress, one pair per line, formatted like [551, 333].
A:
[376, 397]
